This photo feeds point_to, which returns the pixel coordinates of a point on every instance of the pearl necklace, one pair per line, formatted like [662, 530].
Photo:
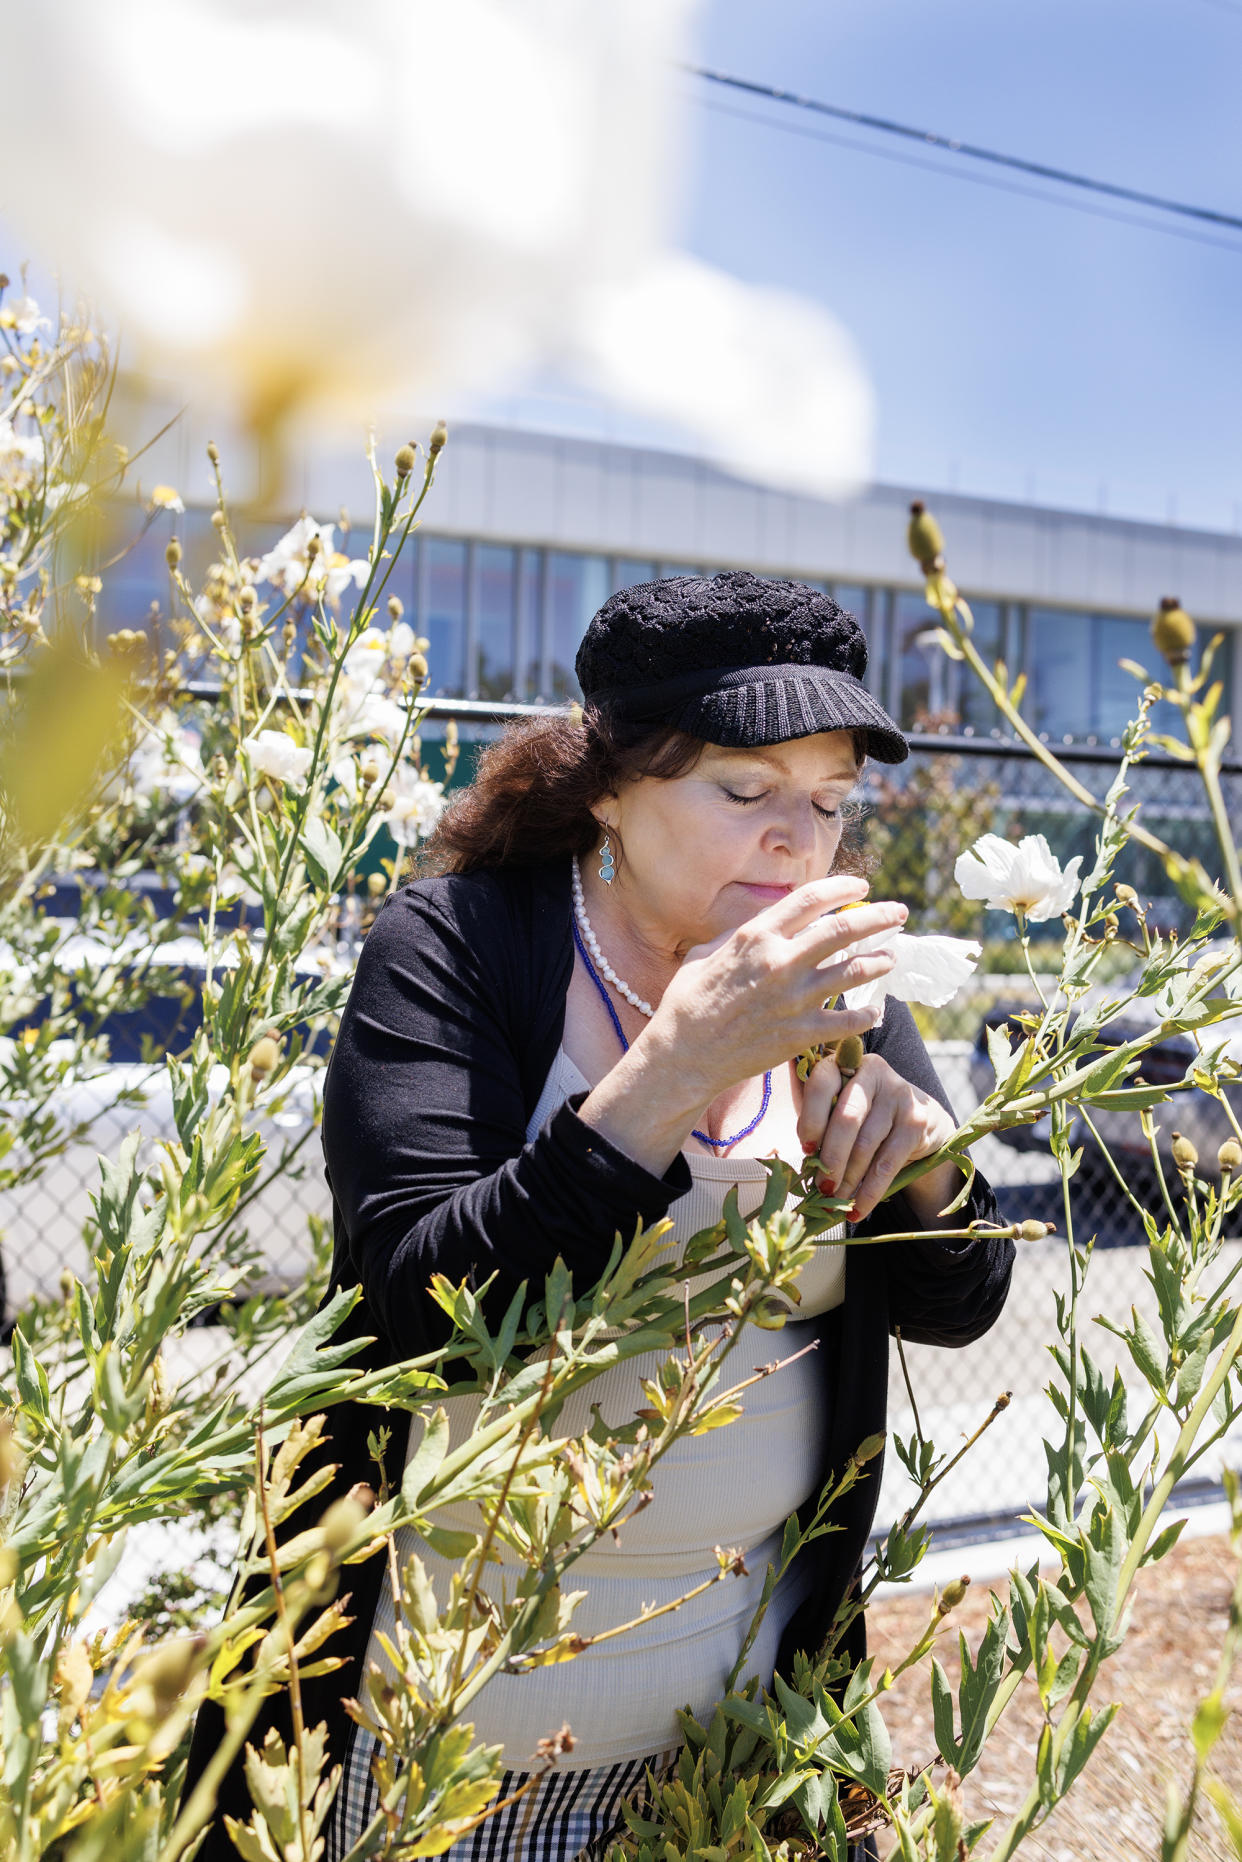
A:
[583, 923]
[592, 944]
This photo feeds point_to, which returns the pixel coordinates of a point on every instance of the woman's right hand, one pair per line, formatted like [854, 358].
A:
[755, 997]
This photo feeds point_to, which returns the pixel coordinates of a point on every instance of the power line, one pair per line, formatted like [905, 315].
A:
[976, 180]
[1067, 177]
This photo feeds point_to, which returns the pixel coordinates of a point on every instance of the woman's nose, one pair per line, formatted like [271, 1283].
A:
[796, 830]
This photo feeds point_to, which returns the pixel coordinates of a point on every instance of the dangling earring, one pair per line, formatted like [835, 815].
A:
[607, 865]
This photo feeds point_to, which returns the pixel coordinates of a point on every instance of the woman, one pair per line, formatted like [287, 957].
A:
[542, 1046]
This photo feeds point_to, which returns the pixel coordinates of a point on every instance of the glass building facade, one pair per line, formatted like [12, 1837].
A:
[504, 621]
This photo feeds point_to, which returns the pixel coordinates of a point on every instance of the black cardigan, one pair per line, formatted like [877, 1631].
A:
[454, 1019]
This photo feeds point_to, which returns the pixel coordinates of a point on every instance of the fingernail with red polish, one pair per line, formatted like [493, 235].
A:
[852, 1213]
[828, 1185]
[808, 1145]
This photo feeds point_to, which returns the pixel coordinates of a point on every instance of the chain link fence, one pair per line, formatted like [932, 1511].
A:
[915, 821]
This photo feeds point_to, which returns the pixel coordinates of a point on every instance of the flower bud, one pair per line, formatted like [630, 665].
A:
[849, 1055]
[377, 885]
[213, 452]
[416, 666]
[370, 770]
[1229, 1157]
[1173, 631]
[218, 520]
[388, 799]
[1031, 1231]
[313, 548]
[952, 1594]
[1003, 1401]
[247, 600]
[363, 1495]
[1126, 895]
[264, 1056]
[172, 553]
[1185, 1155]
[396, 607]
[405, 461]
[769, 1313]
[161, 1678]
[924, 539]
[1112, 925]
[438, 440]
[342, 1520]
[219, 768]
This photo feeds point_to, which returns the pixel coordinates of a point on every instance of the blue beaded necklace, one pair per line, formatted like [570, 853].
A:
[717, 1143]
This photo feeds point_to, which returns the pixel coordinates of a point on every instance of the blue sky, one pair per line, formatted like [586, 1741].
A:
[1018, 346]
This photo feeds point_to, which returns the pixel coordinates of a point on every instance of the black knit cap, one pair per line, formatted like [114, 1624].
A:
[736, 659]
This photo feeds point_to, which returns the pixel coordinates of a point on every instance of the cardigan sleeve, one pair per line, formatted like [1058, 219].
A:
[424, 1130]
[940, 1292]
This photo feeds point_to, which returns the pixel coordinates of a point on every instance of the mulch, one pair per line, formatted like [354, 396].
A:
[1116, 1810]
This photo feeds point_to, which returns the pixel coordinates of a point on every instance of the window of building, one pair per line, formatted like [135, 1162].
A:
[924, 694]
[1060, 666]
[1116, 692]
[628, 571]
[530, 623]
[442, 613]
[495, 615]
[974, 708]
[576, 587]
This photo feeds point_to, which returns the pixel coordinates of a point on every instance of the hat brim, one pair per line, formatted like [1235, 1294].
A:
[757, 705]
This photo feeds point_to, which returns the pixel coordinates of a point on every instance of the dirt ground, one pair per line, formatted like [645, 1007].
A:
[1115, 1812]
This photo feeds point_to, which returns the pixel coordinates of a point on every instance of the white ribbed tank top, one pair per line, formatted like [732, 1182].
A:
[734, 1486]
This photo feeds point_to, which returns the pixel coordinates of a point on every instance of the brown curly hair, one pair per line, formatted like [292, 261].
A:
[536, 786]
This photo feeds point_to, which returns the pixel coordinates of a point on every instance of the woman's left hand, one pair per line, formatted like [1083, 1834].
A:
[878, 1125]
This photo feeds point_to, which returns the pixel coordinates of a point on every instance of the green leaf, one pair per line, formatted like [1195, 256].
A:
[321, 849]
[942, 1714]
[427, 1458]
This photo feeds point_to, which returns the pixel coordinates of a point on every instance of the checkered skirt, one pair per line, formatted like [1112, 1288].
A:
[566, 1816]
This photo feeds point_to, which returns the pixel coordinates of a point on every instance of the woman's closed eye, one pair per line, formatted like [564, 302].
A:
[827, 814]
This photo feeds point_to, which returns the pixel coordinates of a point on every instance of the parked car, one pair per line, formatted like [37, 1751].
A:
[1198, 1115]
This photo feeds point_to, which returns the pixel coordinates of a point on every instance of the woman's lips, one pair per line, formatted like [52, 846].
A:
[765, 892]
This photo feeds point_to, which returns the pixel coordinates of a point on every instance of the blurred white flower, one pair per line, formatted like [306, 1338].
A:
[377, 716]
[274, 754]
[167, 498]
[1026, 878]
[167, 761]
[313, 568]
[536, 180]
[21, 459]
[401, 642]
[222, 621]
[22, 314]
[416, 808]
[364, 660]
[928, 970]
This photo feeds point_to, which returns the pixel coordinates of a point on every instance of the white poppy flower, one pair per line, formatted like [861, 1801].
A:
[378, 716]
[365, 659]
[548, 233]
[274, 754]
[22, 314]
[928, 970]
[1026, 878]
[167, 762]
[416, 808]
[21, 457]
[401, 642]
[290, 566]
